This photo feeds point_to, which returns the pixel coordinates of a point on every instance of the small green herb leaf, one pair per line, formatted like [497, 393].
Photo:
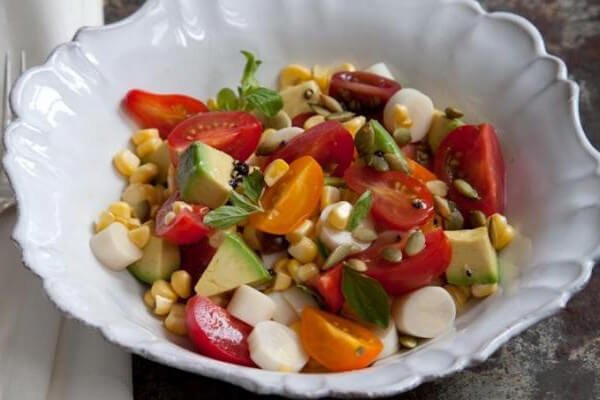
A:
[265, 101]
[366, 298]
[360, 210]
[253, 185]
[249, 76]
[243, 202]
[225, 216]
[227, 100]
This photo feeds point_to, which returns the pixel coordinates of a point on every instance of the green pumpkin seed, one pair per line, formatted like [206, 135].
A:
[402, 136]
[438, 188]
[453, 113]
[319, 109]
[342, 116]
[356, 264]
[338, 254]
[441, 206]
[465, 189]
[392, 254]
[365, 140]
[455, 221]
[378, 164]
[408, 341]
[397, 163]
[331, 104]
[279, 121]
[364, 234]
[415, 243]
[477, 219]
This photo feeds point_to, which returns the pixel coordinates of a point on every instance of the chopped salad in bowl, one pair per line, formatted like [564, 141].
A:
[317, 228]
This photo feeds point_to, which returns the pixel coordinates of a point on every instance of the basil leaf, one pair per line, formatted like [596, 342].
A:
[227, 100]
[265, 101]
[225, 216]
[360, 210]
[241, 201]
[366, 298]
[253, 185]
[248, 77]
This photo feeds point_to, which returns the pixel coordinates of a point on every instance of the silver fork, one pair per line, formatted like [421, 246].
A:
[7, 198]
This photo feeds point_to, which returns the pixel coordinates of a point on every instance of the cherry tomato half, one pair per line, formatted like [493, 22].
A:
[215, 333]
[420, 172]
[329, 143]
[195, 257]
[161, 111]
[328, 285]
[473, 153]
[187, 227]
[400, 201]
[412, 272]
[337, 343]
[362, 92]
[292, 199]
[235, 132]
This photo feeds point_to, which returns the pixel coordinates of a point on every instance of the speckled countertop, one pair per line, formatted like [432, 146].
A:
[558, 358]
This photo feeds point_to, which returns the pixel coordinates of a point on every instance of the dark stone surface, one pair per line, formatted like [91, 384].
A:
[558, 358]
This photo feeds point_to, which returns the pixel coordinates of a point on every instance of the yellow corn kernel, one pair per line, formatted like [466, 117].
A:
[130, 223]
[144, 135]
[120, 209]
[460, 294]
[313, 121]
[181, 282]
[401, 117]
[275, 171]
[500, 231]
[148, 147]
[480, 291]
[162, 305]
[179, 206]
[105, 219]
[293, 75]
[349, 67]
[126, 162]
[322, 75]
[281, 265]
[355, 124]
[149, 300]
[306, 228]
[211, 104]
[140, 236]
[175, 321]
[305, 250]
[296, 326]
[292, 267]
[306, 272]
[282, 281]
[329, 195]
[339, 215]
[144, 174]
[252, 237]
[164, 289]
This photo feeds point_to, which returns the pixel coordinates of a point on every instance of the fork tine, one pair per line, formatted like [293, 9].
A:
[6, 112]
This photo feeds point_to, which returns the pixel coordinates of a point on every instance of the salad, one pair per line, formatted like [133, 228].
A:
[319, 227]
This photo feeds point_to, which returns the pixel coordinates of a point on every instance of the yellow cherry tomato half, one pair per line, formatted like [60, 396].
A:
[292, 199]
[337, 343]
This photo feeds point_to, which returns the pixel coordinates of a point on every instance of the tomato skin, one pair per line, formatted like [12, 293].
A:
[362, 92]
[161, 111]
[477, 151]
[217, 334]
[329, 286]
[392, 208]
[236, 133]
[300, 119]
[187, 227]
[412, 272]
[329, 143]
[420, 172]
[195, 258]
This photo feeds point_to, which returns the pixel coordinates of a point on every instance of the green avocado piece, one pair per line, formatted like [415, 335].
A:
[162, 160]
[440, 128]
[474, 260]
[159, 261]
[203, 175]
[233, 264]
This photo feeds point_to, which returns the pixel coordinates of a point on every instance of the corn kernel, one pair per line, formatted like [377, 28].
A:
[181, 282]
[126, 162]
[305, 250]
[148, 147]
[169, 217]
[355, 124]
[282, 281]
[339, 215]
[349, 67]
[105, 219]
[140, 236]
[401, 116]
[281, 265]
[144, 135]
[275, 171]
[135, 193]
[329, 195]
[292, 75]
[144, 174]
[322, 75]
[313, 121]
[292, 267]
[162, 305]
[179, 206]
[306, 228]
[149, 300]
[480, 291]
[306, 272]
[175, 321]
[130, 223]
[164, 289]
[120, 209]
[212, 104]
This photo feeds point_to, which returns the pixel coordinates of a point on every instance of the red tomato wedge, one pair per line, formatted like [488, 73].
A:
[329, 286]
[329, 143]
[161, 111]
[400, 202]
[412, 272]
[473, 153]
[235, 132]
[215, 333]
[195, 257]
[187, 227]
[362, 92]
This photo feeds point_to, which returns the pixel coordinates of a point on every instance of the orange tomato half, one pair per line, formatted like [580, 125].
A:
[292, 199]
[420, 172]
[337, 343]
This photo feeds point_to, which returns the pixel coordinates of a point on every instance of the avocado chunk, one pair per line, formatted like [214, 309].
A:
[297, 99]
[233, 264]
[159, 261]
[474, 260]
[162, 160]
[203, 175]
[440, 128]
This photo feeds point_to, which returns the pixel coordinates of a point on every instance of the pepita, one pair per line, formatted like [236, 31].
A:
[356, 264]
[365, 140]
[455, 221]
[331, 103]
[279, 121]
[271, 139]
[397, 163]
[437, 188]
[364, 234]
[465, 189]
[408, 341]
[402, 136]
[415, 243]
[319, 109]
[501, 233]
[441, 206]
[378, 163]
[453, 113]
[313, 121]
[392, 254]
[338, 254]
[477, 219]
[341, 116]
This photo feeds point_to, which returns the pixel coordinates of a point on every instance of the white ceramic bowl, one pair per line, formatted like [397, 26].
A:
[493, 66]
